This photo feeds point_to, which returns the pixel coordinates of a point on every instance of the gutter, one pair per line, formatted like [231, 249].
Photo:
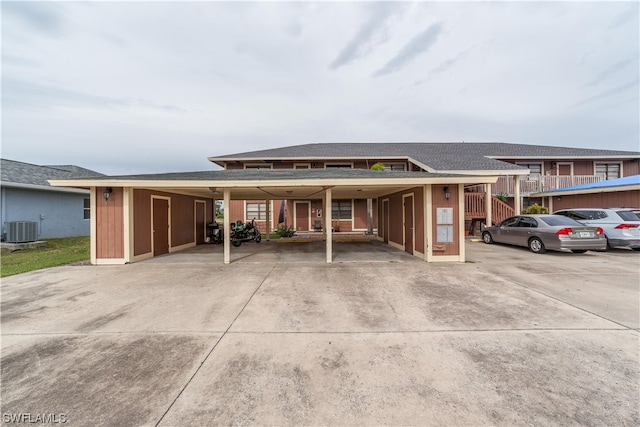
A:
[22, 186]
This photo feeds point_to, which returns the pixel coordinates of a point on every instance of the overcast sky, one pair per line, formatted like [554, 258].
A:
[136, 87]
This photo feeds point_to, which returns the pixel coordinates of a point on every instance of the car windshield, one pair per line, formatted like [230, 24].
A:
[558, 220]
[629, 215]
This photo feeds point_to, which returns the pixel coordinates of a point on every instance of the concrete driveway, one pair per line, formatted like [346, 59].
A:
[508, 338]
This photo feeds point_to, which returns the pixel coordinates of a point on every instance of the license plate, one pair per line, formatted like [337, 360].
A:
[585, 234]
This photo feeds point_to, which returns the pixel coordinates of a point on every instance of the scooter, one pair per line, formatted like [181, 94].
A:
[244, 233]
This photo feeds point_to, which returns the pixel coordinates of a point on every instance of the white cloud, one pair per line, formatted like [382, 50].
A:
[161, 86]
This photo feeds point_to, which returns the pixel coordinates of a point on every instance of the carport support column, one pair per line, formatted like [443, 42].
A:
[488, 199]
[227, 225]
[516, 194]
[329, 240]
[268, 221]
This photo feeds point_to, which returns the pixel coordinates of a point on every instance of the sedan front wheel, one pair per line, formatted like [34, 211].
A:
[536, 246]
[486, 237]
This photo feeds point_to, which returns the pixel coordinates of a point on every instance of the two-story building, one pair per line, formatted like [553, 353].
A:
[419, 203]
[549, 168]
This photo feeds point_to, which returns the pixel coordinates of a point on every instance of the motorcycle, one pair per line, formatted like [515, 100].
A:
[244, 233]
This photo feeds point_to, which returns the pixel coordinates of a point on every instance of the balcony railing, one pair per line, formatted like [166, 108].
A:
[538, 183]
[475, 207]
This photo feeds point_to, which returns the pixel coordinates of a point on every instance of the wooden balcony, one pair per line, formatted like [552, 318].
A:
[530, 184]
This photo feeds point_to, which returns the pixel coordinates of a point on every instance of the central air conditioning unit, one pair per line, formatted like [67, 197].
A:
[21, 231]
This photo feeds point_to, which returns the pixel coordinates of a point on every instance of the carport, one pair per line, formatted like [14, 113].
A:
[423, 209]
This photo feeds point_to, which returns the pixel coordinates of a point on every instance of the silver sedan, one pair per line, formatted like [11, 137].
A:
[546, 232]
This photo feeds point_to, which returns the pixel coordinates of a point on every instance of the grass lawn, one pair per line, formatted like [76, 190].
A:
[57, 252]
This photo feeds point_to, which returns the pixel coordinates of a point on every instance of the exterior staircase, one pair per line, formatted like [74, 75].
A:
[475, 209]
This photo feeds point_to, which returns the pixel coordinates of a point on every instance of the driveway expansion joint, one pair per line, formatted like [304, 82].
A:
[215, 345]
[569, 304]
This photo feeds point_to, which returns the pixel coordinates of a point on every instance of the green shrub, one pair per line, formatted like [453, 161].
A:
[502, 197]
[536, 209]
[378, 167]
[284, 231]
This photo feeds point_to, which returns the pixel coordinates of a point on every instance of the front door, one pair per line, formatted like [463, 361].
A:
[408, 223]
[302, 219]
[160, 226]
[564, 168]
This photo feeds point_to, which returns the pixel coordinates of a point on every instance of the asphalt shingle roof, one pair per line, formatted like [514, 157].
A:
[274, 174]
[26, 173]
[440, 156]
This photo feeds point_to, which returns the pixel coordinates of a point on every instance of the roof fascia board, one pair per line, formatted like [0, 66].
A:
[421, 165]
[589, 191]
[315, 182]
[22, 186]
[329, 158]
[551, 157]
[506, 172]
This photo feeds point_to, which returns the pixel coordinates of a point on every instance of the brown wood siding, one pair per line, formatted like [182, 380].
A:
[631, 167]
[360, 214]
[582, 168]
[235, 210]
[395, 215]
[396, 228]
[418, 203]
[381, 218]
[141, 222]
[615, 199]
[201, 222]
[439, 201]
[341, 225]
[283, 165]
[182, 219]
[110, 224]
[375, 213]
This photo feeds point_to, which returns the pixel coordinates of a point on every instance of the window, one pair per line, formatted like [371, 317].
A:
[256, 211]
[527, 222]
[395, 166]
[608, 170]
[535, 168]
[341, 209]
[339, 165]
[558, 220]
[258, 166]
[582, 214]
[628, 215]
[510, 222]
[87, 208]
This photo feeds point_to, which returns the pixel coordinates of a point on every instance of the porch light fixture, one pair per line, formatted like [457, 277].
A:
[447, 192]
[107, 193]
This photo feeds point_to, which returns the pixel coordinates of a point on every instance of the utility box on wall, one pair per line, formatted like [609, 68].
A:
[21, 231]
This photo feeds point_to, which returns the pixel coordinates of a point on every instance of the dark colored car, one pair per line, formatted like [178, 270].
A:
[546, 232]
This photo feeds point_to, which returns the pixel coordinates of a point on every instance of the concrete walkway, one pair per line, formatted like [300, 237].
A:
[541, 339]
